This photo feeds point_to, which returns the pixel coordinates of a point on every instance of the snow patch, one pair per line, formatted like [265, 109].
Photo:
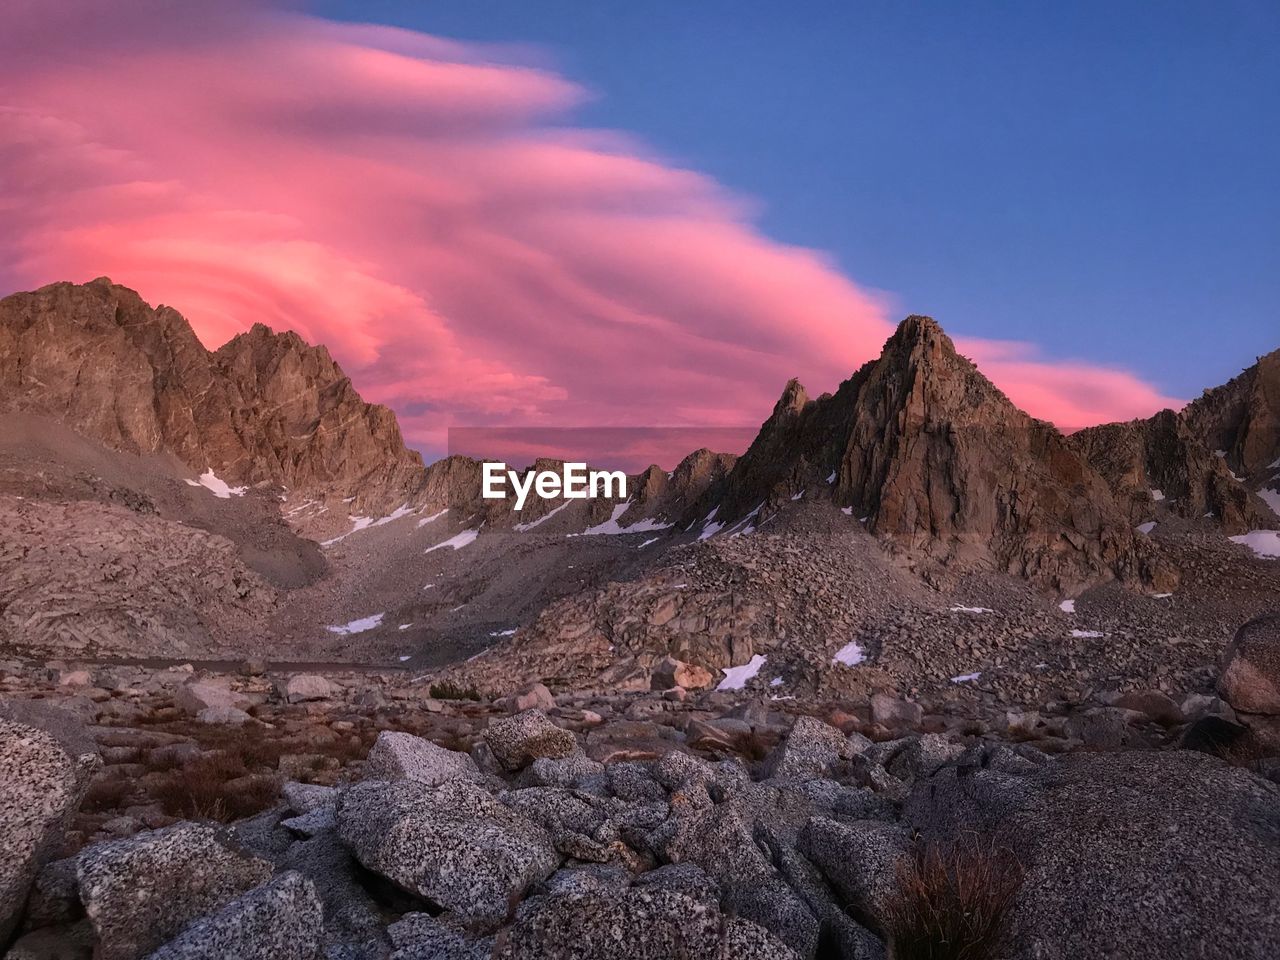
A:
[1146, 527]
[403, 659]
[647, 542]
[218, 487]
[404, 626]
[456, 542]
[851, 654]
[364, 523]
[1157, 495]
[1271, 498]
[504, 633]
[522, 527]
[358, 626]
[1161, 596]
[735, 678]
[423, 521]
[832, 478]
[1264, 543]
[966, 677]
[775, 682]
[1087, 634]
[972, 610]
[1067, 606]
[847, 511]
[611, 527]
[798, 496]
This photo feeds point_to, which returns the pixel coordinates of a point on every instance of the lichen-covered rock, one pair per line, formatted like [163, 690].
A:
[454, 844]
[637, 923]
[142, 891]
[42, 780]
[402, 756]
[518, 741]
[1250, 679]
[281, 920]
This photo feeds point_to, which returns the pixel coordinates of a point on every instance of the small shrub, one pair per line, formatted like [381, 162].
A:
[952, 901]
[448, 690]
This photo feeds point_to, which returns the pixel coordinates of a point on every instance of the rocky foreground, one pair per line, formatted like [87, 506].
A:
[174, 814]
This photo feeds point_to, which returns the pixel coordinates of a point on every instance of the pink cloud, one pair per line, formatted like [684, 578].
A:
[422, 207]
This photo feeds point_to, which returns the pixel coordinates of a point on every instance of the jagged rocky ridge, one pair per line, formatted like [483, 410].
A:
[1241, 418]
[922, 448]
[263, 407]
[1163, 460]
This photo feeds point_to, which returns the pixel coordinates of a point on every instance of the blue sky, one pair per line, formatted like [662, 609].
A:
[1099, 178]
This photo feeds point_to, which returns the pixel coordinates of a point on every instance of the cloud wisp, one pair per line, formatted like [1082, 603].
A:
[427, 209]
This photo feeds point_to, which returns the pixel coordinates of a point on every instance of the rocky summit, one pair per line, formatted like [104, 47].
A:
[915, 675]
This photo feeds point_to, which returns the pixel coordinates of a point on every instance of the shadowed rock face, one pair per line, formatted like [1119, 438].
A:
[1165, 454]
[264, 406]
[1242, 417]
[941, 463]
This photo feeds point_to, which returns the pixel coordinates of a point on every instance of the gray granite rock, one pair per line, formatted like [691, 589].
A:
[808, 751]
[518, 741]
[454, 844]
[573, 771]
[636, 923]
[43, 776]
[352, 918]
[280, 920]
[859, 859]
[142, 891]
[402, 756]
[420, 936]
[1145, 855]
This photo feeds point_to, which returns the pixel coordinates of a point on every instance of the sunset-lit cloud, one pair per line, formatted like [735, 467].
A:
[426, 209]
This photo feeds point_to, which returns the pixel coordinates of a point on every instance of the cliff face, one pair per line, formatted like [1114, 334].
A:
[1162, 460]
[1241, 418]
[937, 460]
[264, 407]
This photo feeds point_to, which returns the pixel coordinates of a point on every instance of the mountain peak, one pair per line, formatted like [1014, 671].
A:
[793, 398]
[937, 460]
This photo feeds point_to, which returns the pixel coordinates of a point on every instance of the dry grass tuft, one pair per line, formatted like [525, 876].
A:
[216, 786]
[755, 744]
[448, 690]
[952, 901]
[104, 795]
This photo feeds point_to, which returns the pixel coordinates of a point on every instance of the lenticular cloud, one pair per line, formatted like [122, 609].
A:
[425, 209]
